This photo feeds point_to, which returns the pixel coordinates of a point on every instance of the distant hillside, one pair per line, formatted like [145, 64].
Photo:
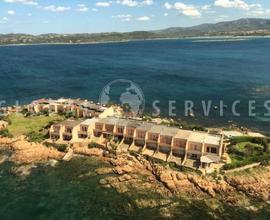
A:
[241, 27]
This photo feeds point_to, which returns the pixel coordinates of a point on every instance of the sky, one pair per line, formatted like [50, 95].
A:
[94, 16]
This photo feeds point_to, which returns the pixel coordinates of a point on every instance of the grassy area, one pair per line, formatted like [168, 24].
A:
[20, 125]
[248, 150]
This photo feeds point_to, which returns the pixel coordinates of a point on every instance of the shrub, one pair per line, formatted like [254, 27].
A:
[94, 145]
[5, 133]
[61, 147]
[35, 136]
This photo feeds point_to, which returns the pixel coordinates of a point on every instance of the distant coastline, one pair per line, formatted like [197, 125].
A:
[197, 39]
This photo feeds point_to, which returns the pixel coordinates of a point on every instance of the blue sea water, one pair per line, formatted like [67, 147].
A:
[164, 69]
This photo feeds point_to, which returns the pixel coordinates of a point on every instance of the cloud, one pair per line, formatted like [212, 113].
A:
[259, 12]
[168, 5]
[3, 20]
[11, 12]
[25, 2]
[165, 14]
[143, 18]
[134, 3]
[103, 4]
[123, 17]
[94, 9]
[188, 10]
[54, 8]
[82, 8]
[240, 4]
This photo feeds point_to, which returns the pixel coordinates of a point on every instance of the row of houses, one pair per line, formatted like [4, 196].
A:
[184, 147]
[79, 108]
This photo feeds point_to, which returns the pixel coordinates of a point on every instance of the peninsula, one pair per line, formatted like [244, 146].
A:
[143, 154]
[239, 28]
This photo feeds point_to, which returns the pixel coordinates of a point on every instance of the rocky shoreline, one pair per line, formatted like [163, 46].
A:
[126, 173]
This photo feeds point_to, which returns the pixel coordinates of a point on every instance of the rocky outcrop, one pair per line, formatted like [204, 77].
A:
[27, 152]
[4, 141]
[256, 184]
[97, 152]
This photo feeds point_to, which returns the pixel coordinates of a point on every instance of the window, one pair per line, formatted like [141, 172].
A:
[213, 150]
[69, 130]
[120, 130]
[154, 137]
[130, 132]
[194, 156]
[141, 134]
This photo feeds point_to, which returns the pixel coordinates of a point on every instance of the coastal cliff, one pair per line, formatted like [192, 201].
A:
[128, 174]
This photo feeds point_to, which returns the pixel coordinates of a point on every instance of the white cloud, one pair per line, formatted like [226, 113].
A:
[25, 2]
[123, 17]
[143, 18]
[188, 10]
[94, 9]
[259, 12]
[168, 5]
[3, 20]
[206, 7]
[82, 8]
[147, 2]
[240, 4]
[165, 14]
[103, 4]
[130, 3]
[11, 12]
[135, 3]
[54, 8]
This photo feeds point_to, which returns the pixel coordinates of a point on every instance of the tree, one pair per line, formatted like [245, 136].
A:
[265, 145]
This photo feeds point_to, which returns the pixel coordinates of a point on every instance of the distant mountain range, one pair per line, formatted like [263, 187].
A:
[241, 27]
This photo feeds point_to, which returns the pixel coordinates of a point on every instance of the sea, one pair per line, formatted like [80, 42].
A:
[169, 73]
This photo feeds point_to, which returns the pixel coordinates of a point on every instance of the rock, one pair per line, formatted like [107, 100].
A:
[89, 151]
[124, 177]
[3, 159]
[123, 169]
[103, 182]
[27, 152]
[23, 171]
[68, 155]
[52, 163]
[104, 170]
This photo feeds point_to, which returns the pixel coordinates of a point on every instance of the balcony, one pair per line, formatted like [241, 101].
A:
[151, 141]
[67, 134]
[82, 132]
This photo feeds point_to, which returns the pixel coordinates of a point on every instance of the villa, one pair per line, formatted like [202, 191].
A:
[77, 107]
[183, 147]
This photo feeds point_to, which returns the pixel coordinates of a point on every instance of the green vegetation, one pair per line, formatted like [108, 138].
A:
[94, 145]
[247, 150]
[31, 126]
[34, 136]
[59, 147]
[5, 133]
